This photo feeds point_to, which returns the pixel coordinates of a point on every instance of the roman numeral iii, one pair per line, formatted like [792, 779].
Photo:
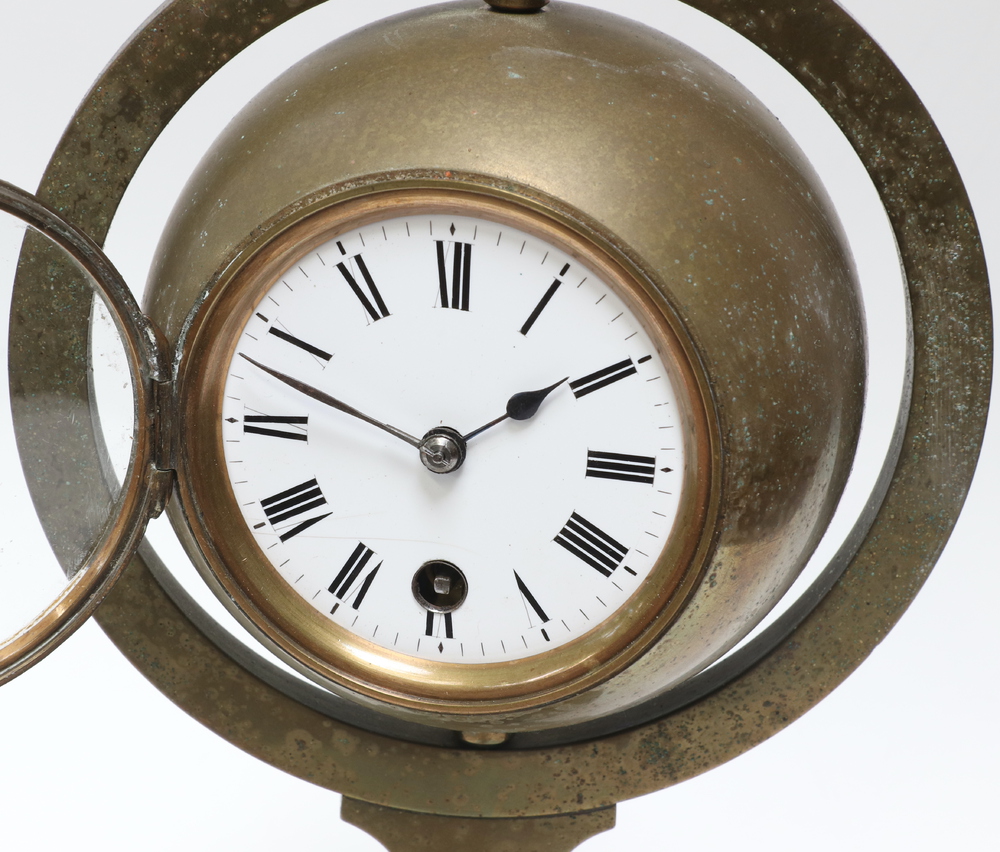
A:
[454, 290]
[620, 466]
[289, 504]
[603, 378]
[591, 544]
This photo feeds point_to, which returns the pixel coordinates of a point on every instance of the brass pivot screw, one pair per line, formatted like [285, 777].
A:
[518, 5]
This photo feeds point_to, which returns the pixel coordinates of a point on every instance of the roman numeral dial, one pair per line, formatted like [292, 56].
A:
[381, 353]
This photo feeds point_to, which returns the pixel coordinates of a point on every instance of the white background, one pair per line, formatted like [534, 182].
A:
[903, 756]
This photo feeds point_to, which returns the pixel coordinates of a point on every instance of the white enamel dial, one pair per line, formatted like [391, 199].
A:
[556, 517]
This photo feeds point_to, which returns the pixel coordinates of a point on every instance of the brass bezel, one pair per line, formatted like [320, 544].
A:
[91, 567]
[330, 654]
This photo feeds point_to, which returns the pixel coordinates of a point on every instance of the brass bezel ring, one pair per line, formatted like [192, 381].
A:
[897, 541]
[90, 579]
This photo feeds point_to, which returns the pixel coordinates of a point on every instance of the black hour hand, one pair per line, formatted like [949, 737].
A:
[521, 406]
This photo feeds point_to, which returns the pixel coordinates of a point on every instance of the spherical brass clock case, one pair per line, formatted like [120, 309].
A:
[659, 158]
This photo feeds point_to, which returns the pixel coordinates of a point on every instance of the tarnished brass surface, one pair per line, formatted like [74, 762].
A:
[669, 162]
[401, 831]
[929, 210]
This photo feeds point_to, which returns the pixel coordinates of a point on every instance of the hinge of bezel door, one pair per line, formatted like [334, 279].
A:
[162, 473]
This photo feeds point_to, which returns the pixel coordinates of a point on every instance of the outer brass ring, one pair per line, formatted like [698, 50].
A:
[952, 359]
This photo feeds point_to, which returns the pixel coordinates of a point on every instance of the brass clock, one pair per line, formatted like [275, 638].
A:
[369, 474]
[655, 500]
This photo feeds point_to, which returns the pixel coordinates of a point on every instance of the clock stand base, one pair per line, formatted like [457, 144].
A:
[405, 831]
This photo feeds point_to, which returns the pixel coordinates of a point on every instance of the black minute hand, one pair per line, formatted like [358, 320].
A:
[333, 402]
[521, 406]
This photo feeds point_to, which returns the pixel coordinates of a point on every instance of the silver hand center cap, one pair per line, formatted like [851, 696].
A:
[441, 451]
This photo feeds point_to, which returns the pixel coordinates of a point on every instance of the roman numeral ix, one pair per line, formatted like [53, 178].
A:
[286, 505]
[620, 466]
[591, 544]
[268, 424]
[602, 378]
[348, 576]
[454, 292]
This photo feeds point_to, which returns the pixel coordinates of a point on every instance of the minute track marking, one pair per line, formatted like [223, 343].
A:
[415, 370]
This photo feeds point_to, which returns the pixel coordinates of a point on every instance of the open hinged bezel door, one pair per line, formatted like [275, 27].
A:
[92, 552]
